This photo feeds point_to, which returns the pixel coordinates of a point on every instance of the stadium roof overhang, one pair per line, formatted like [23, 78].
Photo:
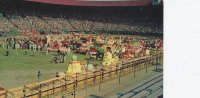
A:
[97, 2]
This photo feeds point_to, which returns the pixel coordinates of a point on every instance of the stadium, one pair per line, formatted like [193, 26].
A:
[81, 48]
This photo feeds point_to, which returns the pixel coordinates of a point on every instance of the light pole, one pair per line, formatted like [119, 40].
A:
[39, 87]
[38, 76]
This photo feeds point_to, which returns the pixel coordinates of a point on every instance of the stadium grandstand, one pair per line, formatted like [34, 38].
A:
[24, 16]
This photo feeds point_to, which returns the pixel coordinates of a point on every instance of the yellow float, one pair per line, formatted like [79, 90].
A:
[108, 59]
[74, 67]
[148, 52]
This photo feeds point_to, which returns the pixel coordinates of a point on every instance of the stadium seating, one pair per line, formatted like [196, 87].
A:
[49, 19]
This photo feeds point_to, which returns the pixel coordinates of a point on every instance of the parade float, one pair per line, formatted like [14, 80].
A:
[108, 59]
[98, 39]
[83, 46]
[74, 66]
[77, 66]
[82, 49]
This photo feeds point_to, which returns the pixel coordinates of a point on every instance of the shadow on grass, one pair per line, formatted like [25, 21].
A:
[94, 96]
[158, 70]
[32, 55]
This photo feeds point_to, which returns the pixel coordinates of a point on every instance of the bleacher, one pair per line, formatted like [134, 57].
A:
[26, 17]
[149, 88]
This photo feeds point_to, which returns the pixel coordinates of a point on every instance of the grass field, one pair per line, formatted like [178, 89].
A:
[19, 69]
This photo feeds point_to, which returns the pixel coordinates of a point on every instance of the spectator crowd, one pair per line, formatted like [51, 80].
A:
[46, 19]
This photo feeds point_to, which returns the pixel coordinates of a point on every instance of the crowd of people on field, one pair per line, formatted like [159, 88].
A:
[120, 47]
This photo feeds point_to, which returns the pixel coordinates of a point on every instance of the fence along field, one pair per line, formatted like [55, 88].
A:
[74, 82]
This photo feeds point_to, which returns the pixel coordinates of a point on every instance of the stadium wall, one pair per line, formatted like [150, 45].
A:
[96, 3]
